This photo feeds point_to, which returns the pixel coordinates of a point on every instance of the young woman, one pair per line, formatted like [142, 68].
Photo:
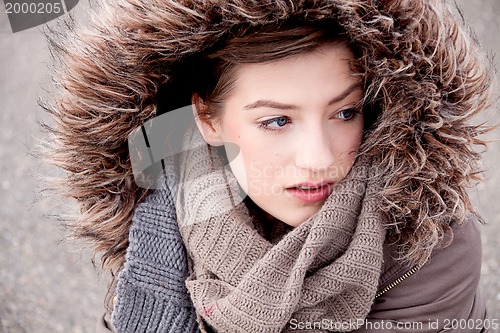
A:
[346, 127]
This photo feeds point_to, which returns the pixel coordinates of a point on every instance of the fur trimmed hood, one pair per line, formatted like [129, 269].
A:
[420, 68]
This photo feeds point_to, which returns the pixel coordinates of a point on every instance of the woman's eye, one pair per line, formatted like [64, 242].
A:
[275, 123]
[347, 114]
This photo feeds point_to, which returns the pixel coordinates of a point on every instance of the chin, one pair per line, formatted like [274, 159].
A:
[294, 223]
[296, 220]
[292, 216]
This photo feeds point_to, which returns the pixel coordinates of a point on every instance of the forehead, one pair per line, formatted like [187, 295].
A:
[326, 69]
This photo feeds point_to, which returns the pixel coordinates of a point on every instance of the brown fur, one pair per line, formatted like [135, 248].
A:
[419, 67]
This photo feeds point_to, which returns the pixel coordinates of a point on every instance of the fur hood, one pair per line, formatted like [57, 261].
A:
[421, 69]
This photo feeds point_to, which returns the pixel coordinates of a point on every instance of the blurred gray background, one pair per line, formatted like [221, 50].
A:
[50, 285]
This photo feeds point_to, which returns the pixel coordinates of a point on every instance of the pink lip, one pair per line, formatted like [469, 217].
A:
[319, 192]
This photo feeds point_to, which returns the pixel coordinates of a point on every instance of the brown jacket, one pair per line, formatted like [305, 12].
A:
[442, 296]
[443, 290]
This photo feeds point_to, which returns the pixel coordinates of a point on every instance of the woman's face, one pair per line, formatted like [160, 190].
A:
[298, 125]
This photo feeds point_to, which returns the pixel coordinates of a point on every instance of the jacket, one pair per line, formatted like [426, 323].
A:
[433, 298]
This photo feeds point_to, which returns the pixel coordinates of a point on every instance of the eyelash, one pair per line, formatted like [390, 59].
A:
[265, 124]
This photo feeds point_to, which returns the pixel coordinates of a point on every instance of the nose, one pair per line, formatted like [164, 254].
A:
[314, 150]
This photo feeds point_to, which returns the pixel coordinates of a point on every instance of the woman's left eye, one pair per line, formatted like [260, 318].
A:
[346, 114]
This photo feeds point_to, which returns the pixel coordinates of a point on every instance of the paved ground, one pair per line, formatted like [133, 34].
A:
[51, 286]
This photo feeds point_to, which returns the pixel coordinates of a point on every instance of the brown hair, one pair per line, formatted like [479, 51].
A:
[215, 69]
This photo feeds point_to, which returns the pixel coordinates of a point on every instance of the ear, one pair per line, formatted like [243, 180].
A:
[208, 128]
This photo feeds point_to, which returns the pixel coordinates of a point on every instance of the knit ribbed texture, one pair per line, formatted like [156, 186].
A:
[325, 269]
[151, 292]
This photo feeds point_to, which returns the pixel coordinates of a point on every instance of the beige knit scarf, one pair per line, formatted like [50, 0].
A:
[324, 272]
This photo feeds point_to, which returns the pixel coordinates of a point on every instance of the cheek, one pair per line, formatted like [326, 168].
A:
[354, 136]
[355, 140]
[347, 143]
[247, 165]
[257, 167]
[239, 170]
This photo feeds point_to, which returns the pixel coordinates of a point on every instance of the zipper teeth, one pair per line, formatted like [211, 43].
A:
[398, 281]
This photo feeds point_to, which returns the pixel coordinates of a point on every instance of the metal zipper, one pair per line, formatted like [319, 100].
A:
[398, 280]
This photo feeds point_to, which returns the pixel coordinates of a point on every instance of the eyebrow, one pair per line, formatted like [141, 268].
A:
[281, 106]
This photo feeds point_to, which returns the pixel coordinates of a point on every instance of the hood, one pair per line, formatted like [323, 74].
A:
[421, 69]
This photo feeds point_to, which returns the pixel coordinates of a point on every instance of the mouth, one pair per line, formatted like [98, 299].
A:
[311, 193]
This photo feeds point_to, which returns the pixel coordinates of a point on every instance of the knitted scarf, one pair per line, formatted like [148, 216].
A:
[324, 271]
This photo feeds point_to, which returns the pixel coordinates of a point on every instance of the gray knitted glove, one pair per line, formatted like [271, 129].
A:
[151, 294]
